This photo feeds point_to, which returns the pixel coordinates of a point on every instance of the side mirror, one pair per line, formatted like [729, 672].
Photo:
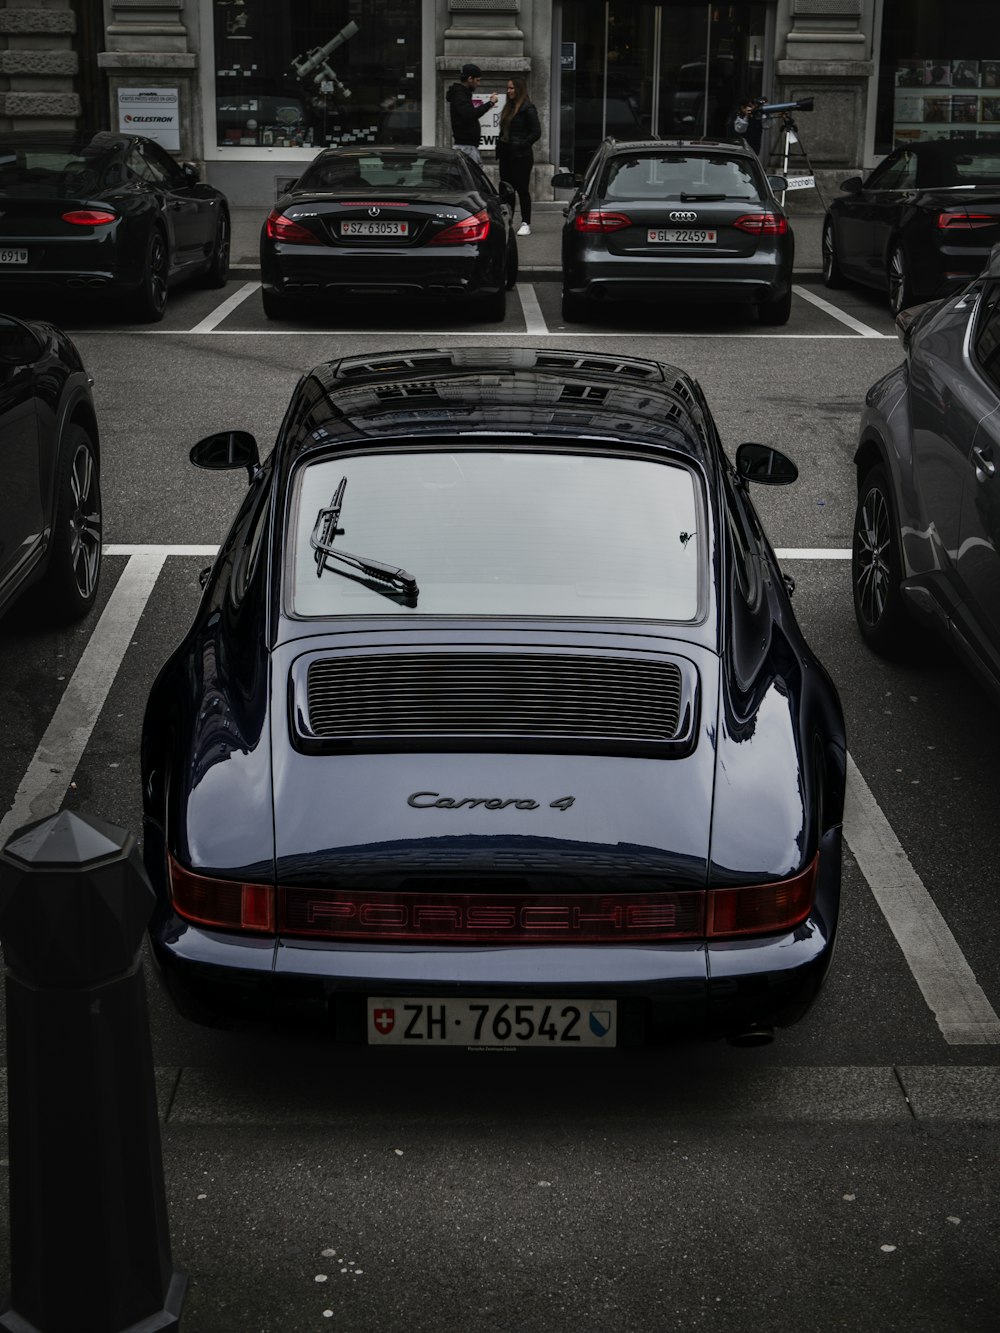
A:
[777, 183]
[190, 173]
[853, 185]
[565, 180]
[507, 195]
[227, 450]
[907, 321]
[19, 343]
[762, 464]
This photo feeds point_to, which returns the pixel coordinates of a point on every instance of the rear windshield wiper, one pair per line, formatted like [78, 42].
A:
[700, 198]
[375, 574]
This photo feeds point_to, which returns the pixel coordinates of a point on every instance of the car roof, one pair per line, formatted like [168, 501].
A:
[536, 392]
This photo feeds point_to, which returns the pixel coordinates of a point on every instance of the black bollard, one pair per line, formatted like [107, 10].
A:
[90, 1245]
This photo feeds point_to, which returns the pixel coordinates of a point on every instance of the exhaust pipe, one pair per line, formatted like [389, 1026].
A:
[751, 1036]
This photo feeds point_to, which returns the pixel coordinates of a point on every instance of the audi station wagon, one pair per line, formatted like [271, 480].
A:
[669, 221]
[495, 726]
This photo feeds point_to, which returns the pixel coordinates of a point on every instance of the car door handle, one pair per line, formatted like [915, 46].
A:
[985, 466]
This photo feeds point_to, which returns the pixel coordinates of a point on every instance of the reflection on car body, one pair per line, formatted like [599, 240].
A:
[927, 528]
[587, 769]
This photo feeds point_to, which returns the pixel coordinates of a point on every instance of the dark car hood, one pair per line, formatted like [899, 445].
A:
[534, 819]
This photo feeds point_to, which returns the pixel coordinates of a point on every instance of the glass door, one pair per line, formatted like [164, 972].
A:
[654, 70]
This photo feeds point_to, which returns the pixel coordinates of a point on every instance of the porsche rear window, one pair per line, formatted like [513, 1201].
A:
[498, 533]
[52, 172]
[676, 175]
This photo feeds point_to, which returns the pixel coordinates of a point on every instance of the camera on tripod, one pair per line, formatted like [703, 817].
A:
[762, 107]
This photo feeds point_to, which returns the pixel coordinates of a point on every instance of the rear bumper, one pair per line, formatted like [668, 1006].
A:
[667, 991]
[428, 274]
[603, 277]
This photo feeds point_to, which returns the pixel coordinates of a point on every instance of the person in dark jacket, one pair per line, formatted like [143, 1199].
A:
[519, 129]
[464, 115]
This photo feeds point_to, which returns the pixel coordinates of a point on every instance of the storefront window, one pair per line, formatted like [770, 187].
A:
[929, 87]
[316, 72]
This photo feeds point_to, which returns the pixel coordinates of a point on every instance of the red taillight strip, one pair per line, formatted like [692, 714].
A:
[89, 217]
[482, 918]
[231, 904]
[959, 219]
[476, 228]
[597, 219]
[281, 228]
[762, 909]
[763, 224]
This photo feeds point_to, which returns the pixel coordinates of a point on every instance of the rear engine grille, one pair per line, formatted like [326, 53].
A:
[536, 695]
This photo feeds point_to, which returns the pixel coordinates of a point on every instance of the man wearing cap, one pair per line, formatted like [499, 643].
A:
[464, 115]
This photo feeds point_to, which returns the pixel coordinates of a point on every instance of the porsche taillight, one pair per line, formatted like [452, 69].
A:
[762, 909]
[599, 219]
[231, 904]
[476, 228]
[762, 224]
[89, 217]
[282, 228]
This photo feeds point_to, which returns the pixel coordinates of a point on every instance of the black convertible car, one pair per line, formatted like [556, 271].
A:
[927, 529]
[112, 214]
[495, 725]
[921, 225]
[50, 488]
[390, 223]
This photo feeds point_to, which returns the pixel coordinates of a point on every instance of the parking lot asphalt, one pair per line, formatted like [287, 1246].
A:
[539, 253]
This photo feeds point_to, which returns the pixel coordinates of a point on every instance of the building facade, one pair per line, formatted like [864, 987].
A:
[252, 89]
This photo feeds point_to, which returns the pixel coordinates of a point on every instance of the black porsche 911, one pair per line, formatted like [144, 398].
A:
[495, 725]
[927, 528]
[921, 225]
[50, 488]
[390, 223]
[109, 214]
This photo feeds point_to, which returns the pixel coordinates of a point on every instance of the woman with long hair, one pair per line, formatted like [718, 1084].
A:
[519, 129]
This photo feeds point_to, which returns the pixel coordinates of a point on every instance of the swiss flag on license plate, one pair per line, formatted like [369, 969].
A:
[385, 1020]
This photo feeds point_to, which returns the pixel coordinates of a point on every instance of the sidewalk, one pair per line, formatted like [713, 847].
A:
[539, 253]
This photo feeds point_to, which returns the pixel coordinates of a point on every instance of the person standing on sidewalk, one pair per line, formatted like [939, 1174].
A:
[519, 129]
[464, 115]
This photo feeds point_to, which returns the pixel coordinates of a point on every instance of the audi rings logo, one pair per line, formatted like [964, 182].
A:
[680, 216]
[374, 212]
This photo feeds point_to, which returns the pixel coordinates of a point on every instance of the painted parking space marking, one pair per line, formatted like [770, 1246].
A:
[939, 968]
[865, 330]
[223, 311]
[618, 334]
[947, 983]
[534, 320]
[51, 770]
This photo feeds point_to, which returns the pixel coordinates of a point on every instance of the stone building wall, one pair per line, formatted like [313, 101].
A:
[38, 65]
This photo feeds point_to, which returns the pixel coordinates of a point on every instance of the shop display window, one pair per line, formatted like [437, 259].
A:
[316, 72]
[928, 87]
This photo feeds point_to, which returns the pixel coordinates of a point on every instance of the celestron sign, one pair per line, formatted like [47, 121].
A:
[152, 112]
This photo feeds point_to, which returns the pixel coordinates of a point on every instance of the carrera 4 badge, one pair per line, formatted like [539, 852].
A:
[432, 800]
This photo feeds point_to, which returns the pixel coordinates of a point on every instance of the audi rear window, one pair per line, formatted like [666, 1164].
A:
[498, 532]
[676, 175]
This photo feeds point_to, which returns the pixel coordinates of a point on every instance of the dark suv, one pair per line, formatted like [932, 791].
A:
[662, 220]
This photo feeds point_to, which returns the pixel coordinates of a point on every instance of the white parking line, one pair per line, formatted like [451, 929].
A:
[939, 968]
[51, 770]
[479, 334]
[534, 320]
[865, 330]
[209, 324]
